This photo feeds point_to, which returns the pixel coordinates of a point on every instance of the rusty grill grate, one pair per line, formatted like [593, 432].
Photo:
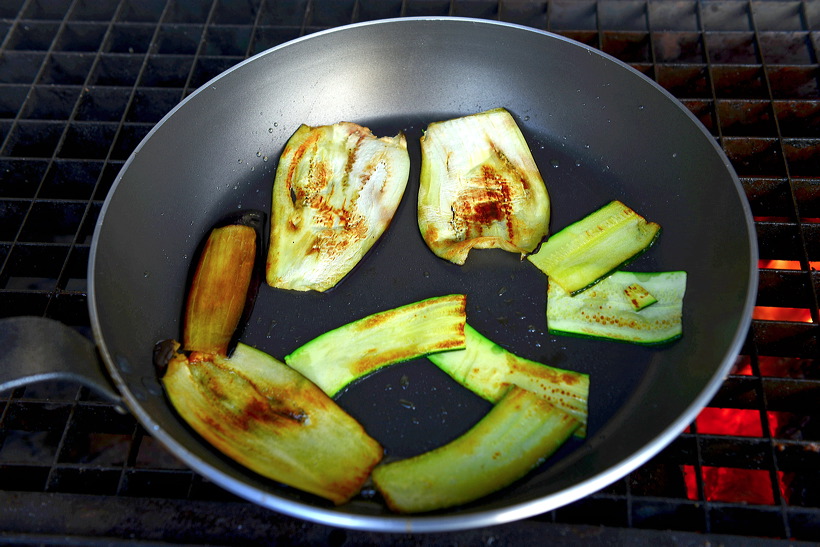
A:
[82, 81]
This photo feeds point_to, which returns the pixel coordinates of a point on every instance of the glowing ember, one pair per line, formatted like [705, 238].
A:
[772, 313]
[779, 265]
[730, 484]
[729, 421]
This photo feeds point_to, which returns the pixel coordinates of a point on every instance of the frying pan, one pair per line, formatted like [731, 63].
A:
[598, 130]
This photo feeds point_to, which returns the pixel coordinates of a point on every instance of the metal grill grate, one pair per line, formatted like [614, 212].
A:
[82, 81]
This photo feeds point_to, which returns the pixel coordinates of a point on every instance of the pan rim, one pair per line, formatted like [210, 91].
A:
[427, 523]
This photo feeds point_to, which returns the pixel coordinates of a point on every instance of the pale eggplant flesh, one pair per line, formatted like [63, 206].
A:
[335, 192]
[269, 418]
[480, 187]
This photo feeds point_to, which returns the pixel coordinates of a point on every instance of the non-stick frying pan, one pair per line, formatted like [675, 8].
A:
[599, 131]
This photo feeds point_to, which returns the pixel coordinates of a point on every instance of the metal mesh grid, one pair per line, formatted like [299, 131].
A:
[82, 81]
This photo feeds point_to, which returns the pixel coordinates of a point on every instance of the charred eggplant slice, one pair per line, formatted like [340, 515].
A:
[480, 187]
[269, 418]
[222, 287]
[336, 190]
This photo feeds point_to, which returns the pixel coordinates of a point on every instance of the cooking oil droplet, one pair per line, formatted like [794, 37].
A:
[641, 107]
[264, 158]
[415, 421]
[407, 404]
[526, 118]
[270, 130]
[675, 155]
[146, 274]
[532, 329]
[577, 163]
[275, 124]
[404, 382]
[554, 163]
[586, 146]
[240, 160]
[501, 291]
[258, 153]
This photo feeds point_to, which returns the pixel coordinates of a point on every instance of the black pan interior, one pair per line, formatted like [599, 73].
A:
[598, 132]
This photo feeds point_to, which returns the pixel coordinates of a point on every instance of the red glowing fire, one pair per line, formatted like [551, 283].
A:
[730, 484]
[773, 313]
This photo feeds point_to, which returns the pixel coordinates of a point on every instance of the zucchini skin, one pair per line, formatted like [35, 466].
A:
[488, 370]
[604, 312]
[520, 432]
[340, 356]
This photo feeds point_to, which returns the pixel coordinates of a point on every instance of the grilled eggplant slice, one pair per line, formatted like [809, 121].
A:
[219, 289]
[488, 370]
[588, 250]
[352, 351]
[521, 431]
[480, 187]
[336, 190]
[603, 311]
[269, 418]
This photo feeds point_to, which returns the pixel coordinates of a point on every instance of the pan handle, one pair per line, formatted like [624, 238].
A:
[33, 349]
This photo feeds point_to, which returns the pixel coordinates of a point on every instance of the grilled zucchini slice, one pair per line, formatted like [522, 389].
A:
[603, 311]
[521, 431]
[587, 251]
[488, 370]
[356, 349]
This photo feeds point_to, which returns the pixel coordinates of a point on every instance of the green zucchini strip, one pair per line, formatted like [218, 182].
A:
[520, 432]
[269, 418]
[356, 349]
[603, 311]
[488, 370]
[588, 250]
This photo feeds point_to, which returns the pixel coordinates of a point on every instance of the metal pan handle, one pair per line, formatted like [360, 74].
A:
[34, 349]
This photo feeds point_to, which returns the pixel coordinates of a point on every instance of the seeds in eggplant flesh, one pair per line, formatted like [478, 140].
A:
[480, 187]
[381, 339]
[521, 431]
[586, 251]
[219, 289]
[603, 312]
[269, 418]
[488, 370]
[336, 190]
